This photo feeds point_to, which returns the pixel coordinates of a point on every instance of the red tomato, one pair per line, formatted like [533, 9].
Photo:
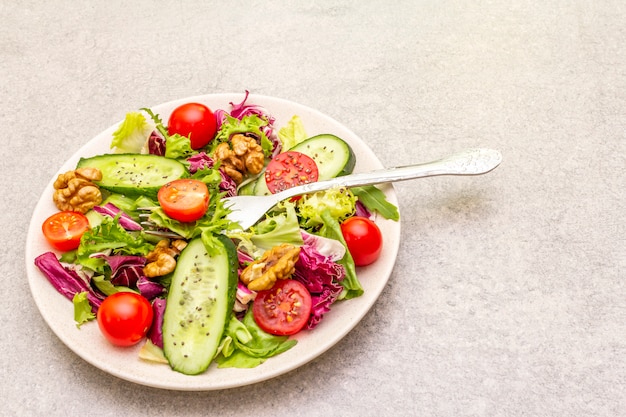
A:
[185, 200]
[284, 309]
[363, 238]
[195, 121]
[124, 318]
[64, 229]
[289, 169]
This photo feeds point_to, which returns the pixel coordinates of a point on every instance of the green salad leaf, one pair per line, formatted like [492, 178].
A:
[109, 236]
[176, 146]
[278, 228]
[375, 200]
[132, 134]
[340, 203]
[250, 124]
[247, 346]
[292, 133]
[351, 284]
[82, 309]
[213, 221]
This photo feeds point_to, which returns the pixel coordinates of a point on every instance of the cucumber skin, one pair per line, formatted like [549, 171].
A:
[203, 353]
[106, 164]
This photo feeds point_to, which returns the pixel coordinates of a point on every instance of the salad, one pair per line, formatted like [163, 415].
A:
[155, 260]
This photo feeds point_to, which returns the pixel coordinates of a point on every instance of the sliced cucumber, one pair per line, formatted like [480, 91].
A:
[248, 187]
[333, 156]
[199, 304]
[134, 174]
[260, 187]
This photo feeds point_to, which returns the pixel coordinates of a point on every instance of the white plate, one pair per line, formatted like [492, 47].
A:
[89, 344]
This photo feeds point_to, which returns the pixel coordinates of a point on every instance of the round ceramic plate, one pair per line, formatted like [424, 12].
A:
[89, 344]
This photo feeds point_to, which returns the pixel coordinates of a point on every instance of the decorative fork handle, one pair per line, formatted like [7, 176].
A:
[469, 162]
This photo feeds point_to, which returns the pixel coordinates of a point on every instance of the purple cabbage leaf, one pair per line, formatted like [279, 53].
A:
[322, 277]
[67, 281]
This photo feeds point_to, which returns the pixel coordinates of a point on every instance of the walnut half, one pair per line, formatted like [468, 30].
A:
[245, 157]
[276, 263]
[75, 191]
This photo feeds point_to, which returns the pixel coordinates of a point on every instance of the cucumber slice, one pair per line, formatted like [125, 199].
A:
[333, 156]
[199, 304]
[260, 187]
[134, 174]
[248, 188]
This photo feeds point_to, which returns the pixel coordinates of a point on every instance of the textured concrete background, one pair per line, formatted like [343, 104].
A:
[508, 297]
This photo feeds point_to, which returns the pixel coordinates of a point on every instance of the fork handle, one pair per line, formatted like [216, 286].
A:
[469, 162]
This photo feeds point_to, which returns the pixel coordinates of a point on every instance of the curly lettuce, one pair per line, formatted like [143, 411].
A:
[214, 220]
[109, 237]
[176, 146]
[339, 202]
[132, 134]
[250, 124]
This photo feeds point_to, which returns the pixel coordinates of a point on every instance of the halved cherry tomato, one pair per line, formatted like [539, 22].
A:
[284, 309]
[185, 200]
[364, 239]
[289, 169]
[195, 121]
[124, 318]
[64, 229]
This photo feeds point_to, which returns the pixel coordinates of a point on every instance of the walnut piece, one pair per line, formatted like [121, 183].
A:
[75, 191]
[162, 260]
[249, 149]
[245, 157]
[276, 263]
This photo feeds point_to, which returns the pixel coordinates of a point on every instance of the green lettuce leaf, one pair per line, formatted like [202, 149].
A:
[248, 124]
[375, 200]
[250, 347]
[351, 284]
[82, 309]
[292, 133]
[278, 228]
[339, 202]
[106, 286]
[213, 221]
[178, 147]
[109, 236]
[132, 134]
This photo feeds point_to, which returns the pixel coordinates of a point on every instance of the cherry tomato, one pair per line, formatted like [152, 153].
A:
[124, 318]
[284, 309]
[363, 238]
[289, 169]
[195, 121]
[185, 200]
[64, 229]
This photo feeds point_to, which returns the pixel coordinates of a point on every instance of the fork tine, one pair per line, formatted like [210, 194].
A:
[150, 228]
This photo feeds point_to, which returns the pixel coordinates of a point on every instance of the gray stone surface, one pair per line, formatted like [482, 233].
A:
[508, 296]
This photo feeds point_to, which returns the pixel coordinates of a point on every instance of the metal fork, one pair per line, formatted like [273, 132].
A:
[247, 210]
